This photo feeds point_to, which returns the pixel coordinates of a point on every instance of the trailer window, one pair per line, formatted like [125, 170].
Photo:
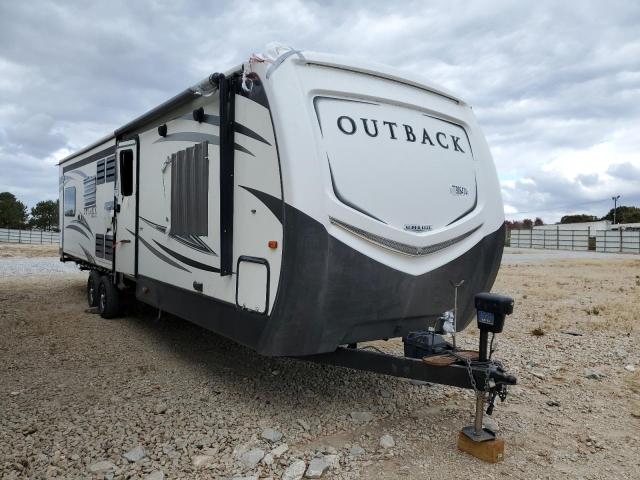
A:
[126, 173]
[70, 202]
[89, 192]
[99, 245]
[190, 191]
[104, 246]
[106, 170]
[110, 169]
[100, 172]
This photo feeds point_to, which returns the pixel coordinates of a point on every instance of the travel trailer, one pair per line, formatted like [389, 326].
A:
[295, 204]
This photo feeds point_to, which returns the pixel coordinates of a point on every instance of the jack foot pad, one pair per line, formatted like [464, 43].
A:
[485, 434]
[490, 450]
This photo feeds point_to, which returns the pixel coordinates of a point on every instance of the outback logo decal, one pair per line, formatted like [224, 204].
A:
[349, 126]
[457, 191]
[417, 228]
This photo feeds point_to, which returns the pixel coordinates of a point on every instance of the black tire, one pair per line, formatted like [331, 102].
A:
[109, 303]
[93, 284]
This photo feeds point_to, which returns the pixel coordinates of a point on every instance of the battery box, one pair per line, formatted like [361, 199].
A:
[424, 344]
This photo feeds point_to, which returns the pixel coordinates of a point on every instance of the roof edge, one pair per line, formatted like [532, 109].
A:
[205, 87]
[378, 70]
[91, 146]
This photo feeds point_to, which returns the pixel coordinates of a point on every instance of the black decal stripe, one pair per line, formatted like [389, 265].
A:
[89, 256]
[272, 203]
[239, 128]
[187, 260]
[158, 254]
[257, 93]
[78, 229]
[190, 241]
[199, 137]
[210, 119]
[92, 158]
[160, 228]
[339, 196]
[193, 242]
[83, 223]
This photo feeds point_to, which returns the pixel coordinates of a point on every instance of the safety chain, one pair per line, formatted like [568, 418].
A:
[472, 379]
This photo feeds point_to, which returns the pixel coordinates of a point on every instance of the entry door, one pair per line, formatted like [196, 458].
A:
[126, 235]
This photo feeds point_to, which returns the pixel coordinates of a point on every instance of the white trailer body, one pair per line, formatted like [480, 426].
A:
[309, 203]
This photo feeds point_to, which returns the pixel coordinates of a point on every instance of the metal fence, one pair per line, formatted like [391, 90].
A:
[10, 235]
[551, 239]
[609, 241]
[618, 241]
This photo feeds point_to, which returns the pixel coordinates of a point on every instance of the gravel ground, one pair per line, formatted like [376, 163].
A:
[21, 266]
[82, 397]
[20, 260]
[530, 255]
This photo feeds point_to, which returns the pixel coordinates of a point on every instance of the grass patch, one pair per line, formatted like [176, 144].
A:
[538, 332]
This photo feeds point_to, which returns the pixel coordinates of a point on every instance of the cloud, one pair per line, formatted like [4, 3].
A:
[19, 136]
[555, 85]
[625, 171]
[588, 180]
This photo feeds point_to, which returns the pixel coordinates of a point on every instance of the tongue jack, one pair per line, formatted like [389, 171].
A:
[474, 439]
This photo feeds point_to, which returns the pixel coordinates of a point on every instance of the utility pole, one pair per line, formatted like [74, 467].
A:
[615, 203]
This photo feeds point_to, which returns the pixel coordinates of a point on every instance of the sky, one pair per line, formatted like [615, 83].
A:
[554, 85]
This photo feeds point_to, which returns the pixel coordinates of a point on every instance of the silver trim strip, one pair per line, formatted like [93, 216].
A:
[399, 246]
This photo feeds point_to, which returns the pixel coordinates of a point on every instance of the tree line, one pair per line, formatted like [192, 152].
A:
[526, 224]
[623, 215]
[15, 214]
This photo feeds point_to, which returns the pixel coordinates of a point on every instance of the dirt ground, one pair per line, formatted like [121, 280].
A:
[76, 390]
[24, 250]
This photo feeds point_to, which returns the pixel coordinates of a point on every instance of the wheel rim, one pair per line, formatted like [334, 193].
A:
[103, 299]
[92, 293]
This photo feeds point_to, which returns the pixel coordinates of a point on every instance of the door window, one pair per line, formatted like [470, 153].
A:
[70, 202]
[126, 173]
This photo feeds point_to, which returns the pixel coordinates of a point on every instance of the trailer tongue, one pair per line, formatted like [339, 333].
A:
[430, 359]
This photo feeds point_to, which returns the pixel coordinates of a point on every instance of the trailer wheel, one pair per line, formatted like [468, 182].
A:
[93, 283]
[109, 303]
